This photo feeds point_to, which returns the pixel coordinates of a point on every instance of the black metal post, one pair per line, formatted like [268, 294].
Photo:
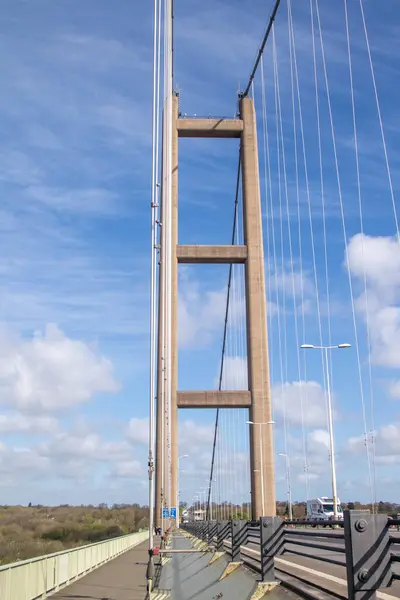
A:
[222, 530]
[212, 531]
[368, 560]
[238, 537]
[204, 529]
[271, 542]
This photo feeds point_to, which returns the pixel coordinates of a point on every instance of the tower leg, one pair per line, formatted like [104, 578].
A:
[174, 324]
[261, 436]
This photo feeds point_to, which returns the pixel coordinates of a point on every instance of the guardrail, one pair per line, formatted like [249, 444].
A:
[40, 576]
[363, 545]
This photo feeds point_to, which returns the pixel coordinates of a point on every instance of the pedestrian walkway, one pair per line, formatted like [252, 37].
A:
[123, 578]
[189, 576]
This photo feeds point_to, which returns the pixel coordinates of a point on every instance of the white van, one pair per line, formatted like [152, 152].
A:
[321, 509]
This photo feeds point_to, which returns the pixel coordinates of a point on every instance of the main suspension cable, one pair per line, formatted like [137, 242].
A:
[262, 46]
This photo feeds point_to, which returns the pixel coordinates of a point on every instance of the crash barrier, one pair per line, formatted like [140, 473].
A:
[366, 546]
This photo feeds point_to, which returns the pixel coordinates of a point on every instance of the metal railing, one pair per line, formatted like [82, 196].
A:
[364, 546]
[40, 576]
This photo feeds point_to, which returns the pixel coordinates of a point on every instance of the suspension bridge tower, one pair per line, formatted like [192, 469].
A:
[257, 398]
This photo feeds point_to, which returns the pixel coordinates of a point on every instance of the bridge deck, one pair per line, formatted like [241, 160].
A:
[123, 578]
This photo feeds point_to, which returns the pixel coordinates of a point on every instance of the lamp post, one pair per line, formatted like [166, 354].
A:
[177, 488]
[289, 486]
[330, 416]
[261, 460]
[203, 491]
[209, 508]
[199, 495]
[196, 503]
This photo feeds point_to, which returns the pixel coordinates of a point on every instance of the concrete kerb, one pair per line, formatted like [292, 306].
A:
[230, 568]
[160, 595]
[186, 533]
[203, 545]
[215, 557]
[263, 588]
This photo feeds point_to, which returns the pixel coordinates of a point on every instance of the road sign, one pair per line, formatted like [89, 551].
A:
[165, 514]
[172, 513]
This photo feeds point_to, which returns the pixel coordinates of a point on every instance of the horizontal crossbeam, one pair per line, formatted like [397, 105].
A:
[209, 128]
[185, 550]
[214, 399]
[211, 254]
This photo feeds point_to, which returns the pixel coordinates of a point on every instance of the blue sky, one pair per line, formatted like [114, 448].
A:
[75, 147]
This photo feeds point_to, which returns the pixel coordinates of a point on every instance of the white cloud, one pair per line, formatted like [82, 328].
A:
[394, 389]
[89, 446]
[234, 375]
[201, 310]
[317, 446]
[14, 422]
[194, 438]
[200, 314]
[138, 431]
[128, 469]
[319, 438]
[387, 444]
[310, 462]
[51, 371]
[292, 283]
[23, 462]
[379, 259]
[287, 398]
[296, 286]
[78, 454]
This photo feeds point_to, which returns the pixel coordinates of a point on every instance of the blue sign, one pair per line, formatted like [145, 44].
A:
[172, 513]
[165, 514]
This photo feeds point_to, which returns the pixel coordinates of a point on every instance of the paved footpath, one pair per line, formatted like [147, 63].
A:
[123, 578]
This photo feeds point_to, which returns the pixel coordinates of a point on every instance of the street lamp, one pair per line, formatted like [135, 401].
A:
[209, 502]
[330, 416]
[196, 503]
[203, 490]
[261, 460]
[177, 488]
[200, 499]
[289, 487]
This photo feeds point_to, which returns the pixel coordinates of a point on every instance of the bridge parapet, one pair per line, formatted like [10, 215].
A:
[40, 576]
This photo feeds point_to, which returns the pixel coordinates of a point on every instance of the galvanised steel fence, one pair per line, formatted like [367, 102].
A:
[366, 546]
